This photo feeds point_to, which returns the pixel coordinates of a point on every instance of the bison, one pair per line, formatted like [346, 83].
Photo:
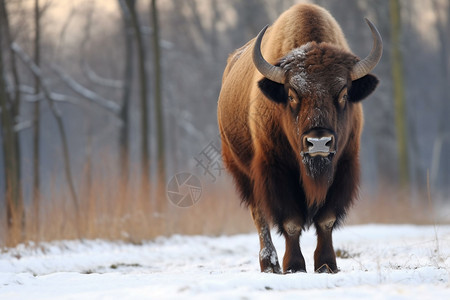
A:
[290, 119]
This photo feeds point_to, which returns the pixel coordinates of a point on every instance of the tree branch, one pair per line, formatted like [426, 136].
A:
[23, 125]
[37, 72]
[31, 96]
[92, 76]
[57, 114]
[86, 93]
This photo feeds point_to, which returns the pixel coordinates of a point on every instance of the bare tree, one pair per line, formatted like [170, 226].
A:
[88, 111]
[37, 118]
[126, 96]
[143, 81]
[36, 71]
[161, 171]
[11, 150]
[443, 130]
[399, 92]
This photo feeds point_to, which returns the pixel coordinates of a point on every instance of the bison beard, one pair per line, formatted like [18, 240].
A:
[319, 167]
[317, 176]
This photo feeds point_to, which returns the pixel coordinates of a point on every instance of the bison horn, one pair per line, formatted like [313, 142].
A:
[270, 71]
[363, 67]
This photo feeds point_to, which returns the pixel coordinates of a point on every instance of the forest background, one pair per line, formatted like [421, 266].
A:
[104, 102]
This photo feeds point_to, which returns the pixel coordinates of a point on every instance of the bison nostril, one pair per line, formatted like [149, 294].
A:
[319, 145]
[307, 143]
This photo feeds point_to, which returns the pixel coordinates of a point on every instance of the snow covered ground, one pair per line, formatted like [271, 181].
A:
[377, 261]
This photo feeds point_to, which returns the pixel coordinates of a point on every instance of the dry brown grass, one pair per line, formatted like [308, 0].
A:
[112, 210]
[393, 207]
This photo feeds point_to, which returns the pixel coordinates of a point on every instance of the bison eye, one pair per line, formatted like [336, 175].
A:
[293, 103]
[343, 98]
[292, 97]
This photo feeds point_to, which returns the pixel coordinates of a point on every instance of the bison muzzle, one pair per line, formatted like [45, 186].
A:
[290, 119]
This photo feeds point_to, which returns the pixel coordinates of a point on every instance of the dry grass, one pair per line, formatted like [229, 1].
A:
[112, 210]
[393, 207]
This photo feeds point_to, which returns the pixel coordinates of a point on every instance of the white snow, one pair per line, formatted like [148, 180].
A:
[300, 82]
[377, 261]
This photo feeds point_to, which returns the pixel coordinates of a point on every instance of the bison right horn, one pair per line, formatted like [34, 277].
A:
[270, 71]
[363, 67]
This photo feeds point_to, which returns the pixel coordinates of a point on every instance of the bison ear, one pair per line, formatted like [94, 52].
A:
[273, 90]
[362, 87]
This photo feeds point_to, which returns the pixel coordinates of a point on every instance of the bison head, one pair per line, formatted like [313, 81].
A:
[317, 86]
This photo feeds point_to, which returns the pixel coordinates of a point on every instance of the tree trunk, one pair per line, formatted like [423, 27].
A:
[88, 112]
[158, 106]
[145, 128]
[11, 190]
[125, 105]
[15, 105]
[11, 152]
[442, 169]
[37, 121]
[399, 93]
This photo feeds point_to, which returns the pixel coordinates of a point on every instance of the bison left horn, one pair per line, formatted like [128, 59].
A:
[363, 67]
[270, 71]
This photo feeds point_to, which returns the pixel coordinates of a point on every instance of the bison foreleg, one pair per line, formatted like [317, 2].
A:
[293, 260]
[324, 256]
[268, 258]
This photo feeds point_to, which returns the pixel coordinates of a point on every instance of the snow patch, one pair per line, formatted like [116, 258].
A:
[269, 253]
[300, 82]
[406, 262]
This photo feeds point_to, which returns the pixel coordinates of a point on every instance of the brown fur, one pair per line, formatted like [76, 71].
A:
[261, 130]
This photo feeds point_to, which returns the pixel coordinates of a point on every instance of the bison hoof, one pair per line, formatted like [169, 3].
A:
[294, 270]
[268, 260]
[272, 269]
[268, 266]
[294, 264]
[327, 269]
[298, 267]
